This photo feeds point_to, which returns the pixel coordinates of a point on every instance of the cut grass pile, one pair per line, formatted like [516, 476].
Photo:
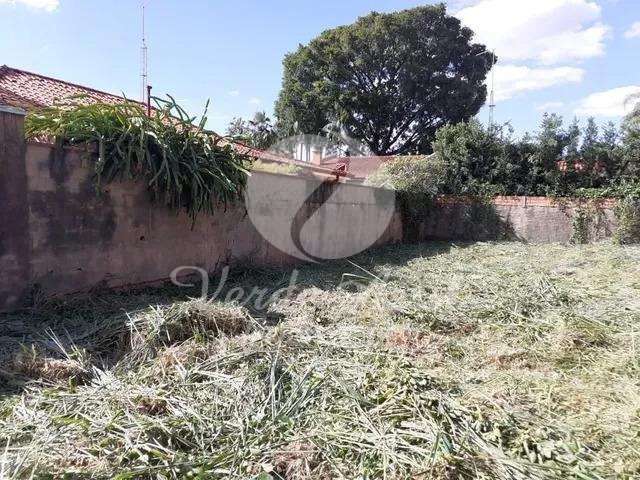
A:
[427, 361]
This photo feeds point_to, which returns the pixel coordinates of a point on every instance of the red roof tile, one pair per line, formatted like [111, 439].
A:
[19, 88]
[9, 98]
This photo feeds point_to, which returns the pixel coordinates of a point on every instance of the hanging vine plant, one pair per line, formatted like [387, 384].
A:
[183, 165]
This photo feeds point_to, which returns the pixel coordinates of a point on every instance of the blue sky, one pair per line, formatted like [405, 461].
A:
[574, 57]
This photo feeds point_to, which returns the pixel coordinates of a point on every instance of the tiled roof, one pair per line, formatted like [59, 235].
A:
[269, 157]
[9, 98]
[19, 88]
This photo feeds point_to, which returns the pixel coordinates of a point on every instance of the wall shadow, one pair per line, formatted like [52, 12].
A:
[472, 220]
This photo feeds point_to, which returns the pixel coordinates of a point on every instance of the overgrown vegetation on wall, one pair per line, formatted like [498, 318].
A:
[581, 223]
[417, 180]
[478, 163]
[470, 159]
[183, 166]
[628, 215]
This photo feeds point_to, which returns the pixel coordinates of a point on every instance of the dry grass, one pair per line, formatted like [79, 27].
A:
[428, 361]
[32, 364]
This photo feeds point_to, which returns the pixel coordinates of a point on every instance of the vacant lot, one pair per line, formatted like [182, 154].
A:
[428, 361]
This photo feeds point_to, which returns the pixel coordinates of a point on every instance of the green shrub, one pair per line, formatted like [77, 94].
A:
[471, 156]
[581, 222]
[183, 166]
[628, 215]
[624, 189]
[417, 180]
[417, 176]
[556, 161]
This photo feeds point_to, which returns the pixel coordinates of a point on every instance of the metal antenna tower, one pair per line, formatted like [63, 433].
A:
[492, 100]
[145, 73]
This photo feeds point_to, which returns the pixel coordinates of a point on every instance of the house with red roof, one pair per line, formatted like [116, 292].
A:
[29, 91]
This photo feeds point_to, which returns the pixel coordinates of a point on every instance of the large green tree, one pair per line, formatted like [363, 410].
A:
[391, 80]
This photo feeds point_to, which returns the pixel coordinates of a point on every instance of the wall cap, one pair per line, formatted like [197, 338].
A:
[14, 110]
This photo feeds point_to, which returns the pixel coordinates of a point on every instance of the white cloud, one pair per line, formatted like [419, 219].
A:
[255, 101]
[46, 5]
[234, 93]
[610, 103]
[511, 80]
[634, 31]
[546, 31]
[549, 106]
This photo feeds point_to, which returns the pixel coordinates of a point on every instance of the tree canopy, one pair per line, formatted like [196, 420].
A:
[391, 80]
[557, 160]
[257, 133]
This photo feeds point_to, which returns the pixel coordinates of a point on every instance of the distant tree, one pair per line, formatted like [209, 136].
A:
[630, 142]
[547, 162]
[481, 161]
[258, 132]
[635, 110]
[391, 80]
[574, 140]
[610, 135]
[600, 153]
[556, 161]
[475, 160]
[238, 128]
[591, 136]
[593, 155]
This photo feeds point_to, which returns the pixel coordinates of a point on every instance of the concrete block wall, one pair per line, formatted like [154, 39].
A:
[528, 219]
[58, 235]
[14, 239]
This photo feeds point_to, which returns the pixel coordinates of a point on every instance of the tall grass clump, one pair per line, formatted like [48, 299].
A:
[182, 165]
